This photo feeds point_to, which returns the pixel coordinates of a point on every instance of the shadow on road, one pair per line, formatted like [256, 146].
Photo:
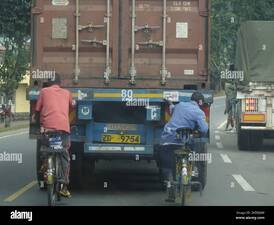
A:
[122, 176]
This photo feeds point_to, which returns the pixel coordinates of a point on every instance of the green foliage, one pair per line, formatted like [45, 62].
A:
[14, 67]
[226, 17]
[15, 19]
[14, 36]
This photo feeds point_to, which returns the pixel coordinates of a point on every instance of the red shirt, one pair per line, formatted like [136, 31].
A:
[54, 104]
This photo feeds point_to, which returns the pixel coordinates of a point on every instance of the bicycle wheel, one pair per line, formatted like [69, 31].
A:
[51, 195]
[183, 192]
[58, 175]
[184, 183]
[51, 185]
[178, 180]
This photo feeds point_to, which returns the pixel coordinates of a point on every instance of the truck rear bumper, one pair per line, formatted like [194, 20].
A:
[119, 156]
[119, 151]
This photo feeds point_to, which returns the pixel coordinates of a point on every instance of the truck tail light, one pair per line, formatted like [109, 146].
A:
[250, 105]
[206, 110]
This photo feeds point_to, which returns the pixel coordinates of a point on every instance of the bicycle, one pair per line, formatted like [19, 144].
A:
[52, 147]
[183, 170]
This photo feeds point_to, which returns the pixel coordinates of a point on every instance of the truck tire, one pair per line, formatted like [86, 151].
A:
[157, 150]
[256, 140]
[76, 165]
[249, 140]
[243, 140]
[201, 166]
[81, 168]
[88, 167]
[39, 175]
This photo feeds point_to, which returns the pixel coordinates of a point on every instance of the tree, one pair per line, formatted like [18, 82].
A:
[226, 18]
[14, 36]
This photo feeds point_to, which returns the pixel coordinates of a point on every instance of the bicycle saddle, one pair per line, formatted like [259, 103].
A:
[184, 131]
[184, 134]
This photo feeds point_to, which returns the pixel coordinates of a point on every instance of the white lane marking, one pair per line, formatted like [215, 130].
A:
[221, 125]
[219, 145]
[243, 183]
[217, 137]
[12, 135]
[226, 158]
[216, 132]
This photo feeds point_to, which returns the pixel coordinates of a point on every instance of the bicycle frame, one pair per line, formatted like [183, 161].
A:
[52, 178]
[183, 174]
[183, 168]
[52, 174]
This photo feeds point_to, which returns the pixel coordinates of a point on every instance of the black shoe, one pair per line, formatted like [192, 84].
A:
[170, 200]
[171, 195]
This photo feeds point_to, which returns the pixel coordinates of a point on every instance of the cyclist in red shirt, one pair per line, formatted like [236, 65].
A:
[54, 104]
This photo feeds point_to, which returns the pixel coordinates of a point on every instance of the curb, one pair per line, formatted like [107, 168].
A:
[19, 127]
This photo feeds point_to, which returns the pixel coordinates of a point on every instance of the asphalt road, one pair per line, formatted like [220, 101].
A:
[235, 178]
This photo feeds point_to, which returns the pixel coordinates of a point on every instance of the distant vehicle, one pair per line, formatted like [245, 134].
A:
[255, 95]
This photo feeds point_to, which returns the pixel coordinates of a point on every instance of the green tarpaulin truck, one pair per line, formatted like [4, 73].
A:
[255, 94]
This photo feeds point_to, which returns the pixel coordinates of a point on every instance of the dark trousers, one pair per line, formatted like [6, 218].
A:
[167, 161]
[64, 158]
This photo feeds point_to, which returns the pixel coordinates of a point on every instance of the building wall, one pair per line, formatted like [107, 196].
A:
[21, 104]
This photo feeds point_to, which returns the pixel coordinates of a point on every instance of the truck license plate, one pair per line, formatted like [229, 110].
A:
[121, 138]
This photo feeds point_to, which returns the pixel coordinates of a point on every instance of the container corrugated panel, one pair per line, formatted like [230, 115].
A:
[134, 43]
[255, 51]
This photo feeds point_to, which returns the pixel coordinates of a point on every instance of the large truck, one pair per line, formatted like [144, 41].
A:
[120, 59]
[255, 95]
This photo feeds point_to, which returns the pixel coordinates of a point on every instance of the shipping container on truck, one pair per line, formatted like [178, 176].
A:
[120, 58]
[254, 58]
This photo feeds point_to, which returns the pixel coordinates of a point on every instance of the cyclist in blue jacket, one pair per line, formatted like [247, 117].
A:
[184, 115]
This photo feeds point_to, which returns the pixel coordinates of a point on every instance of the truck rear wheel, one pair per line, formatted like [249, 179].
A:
[201, 166]
[76, 167]
[249, 140]
[39, 173]
[81, 168]
[243, 140]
